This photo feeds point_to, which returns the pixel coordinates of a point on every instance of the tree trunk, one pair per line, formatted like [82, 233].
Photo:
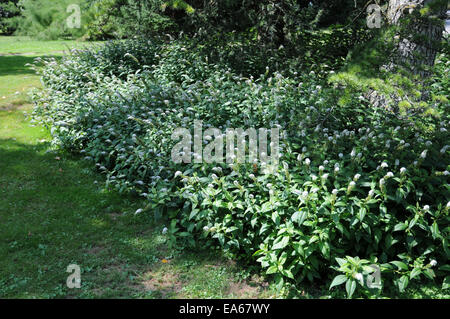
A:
[419, 35]
[419, 25]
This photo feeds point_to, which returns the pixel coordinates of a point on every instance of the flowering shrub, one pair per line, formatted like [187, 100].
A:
[356, 186]
[84, 69]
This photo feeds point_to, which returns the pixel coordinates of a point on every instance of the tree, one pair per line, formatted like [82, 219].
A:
[8, 10]
[420, 26]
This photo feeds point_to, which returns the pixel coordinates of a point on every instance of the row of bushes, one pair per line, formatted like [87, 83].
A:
[355, 185]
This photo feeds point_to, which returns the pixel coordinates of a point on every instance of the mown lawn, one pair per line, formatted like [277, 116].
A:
[15, 53]
[55, 211]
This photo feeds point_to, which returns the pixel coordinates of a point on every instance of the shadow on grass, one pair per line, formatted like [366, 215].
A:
[17, 64]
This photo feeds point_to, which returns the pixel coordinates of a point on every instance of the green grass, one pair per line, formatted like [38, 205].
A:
[15, 53]
[55, 211]
[25, 45]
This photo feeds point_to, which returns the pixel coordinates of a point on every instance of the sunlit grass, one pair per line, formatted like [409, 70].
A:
[10, 45]
[16, 53]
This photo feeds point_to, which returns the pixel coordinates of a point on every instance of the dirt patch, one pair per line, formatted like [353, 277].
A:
[252, 288]
[114, 216]
[163, 283]
[248, 289]
[98, 292]
[226, 263]
[95, 250]
[243, 290]
[15, 54]
[11, 107]
[31, 53]
[114, 268]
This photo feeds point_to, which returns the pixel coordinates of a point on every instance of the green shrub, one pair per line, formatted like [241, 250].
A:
[129, 18]
[82, 68]
[355, 185]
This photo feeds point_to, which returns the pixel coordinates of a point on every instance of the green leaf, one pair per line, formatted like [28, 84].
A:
[313, 239]
[435, 230]
[267, 206]
[288, 273]
[299, 217]
[338, 280]
[231, 229]
[414, 273]
[400, 226]
[445, 268]
[276, 218]
[341, 261]
[193, 213]
[429, 273]
[282, 259]
[258, 252]
[446, 283]
[184, 234]
[272, 270]
[400, 265]
[264, 227]
[361, 213]
[350, 287]
[403, 283]
[299, 249]
[279, 282]
[253, 222]
[282, 243]
[324, 249]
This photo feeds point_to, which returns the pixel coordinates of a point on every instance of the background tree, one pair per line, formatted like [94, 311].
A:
[420, 25]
